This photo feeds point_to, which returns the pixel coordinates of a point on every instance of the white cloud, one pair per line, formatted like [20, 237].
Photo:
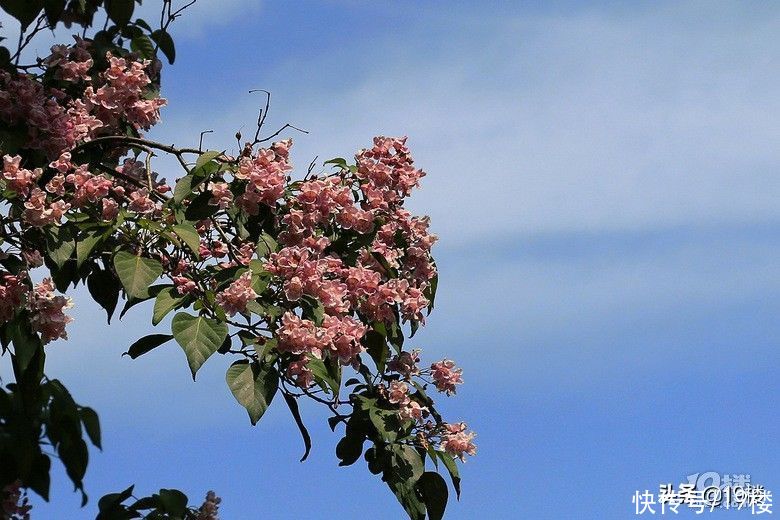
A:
[531, 123]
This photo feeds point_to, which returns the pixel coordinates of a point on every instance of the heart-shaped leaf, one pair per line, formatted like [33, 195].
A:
[199, 337]
[136, 273]
[253, 387]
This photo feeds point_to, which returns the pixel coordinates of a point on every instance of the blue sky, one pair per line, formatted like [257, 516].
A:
[604, 180]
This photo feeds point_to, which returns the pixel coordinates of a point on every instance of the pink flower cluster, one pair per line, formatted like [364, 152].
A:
[120, 97]
[103, 102]
[17, 179]
[47, 308]
[12, 295]
[265, 175]
[305, 272]
[446, 376]
[405, 363]
[300, 373]
[389, 172]
[409, 409]
[338, 337]
[210, 508]
[235, 298]
[456, 442]
[220, 194]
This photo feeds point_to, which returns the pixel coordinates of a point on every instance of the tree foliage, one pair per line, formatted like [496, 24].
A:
[310, 282]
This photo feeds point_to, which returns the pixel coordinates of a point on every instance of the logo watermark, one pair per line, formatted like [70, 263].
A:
[705, 492]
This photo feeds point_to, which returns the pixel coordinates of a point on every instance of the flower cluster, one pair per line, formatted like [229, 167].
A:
[210, 508]
[457, 442]
[13, 293]
[446, 376]
[338, 337]
[235, 298]
[263, 176]
[47, 308]
[408, 408]
[86, 104]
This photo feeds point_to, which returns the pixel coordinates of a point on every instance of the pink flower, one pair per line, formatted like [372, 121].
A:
[446, 376]
[15, 504]
[210, 508]
[412, 411]
[48, 317]
[37, 214]
[220, 194]
[184, 285]
[219, 249]
[12, 294]
[141, 203]
[19, 179]
[32, 257]
[456, 442]
[110, 209]
[300, 373]
[398, 393]
[235, 298]
[266, 176]
[405, 363]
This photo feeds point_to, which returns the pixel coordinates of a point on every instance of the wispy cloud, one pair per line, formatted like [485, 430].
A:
[582, 121]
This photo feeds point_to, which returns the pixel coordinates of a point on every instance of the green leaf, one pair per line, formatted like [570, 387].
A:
[292, 404]
[377, 348]
[89, 418]
[206, 157]
[120, 11]
[266, 245]
[26, 11]
[39, 479]
[136, 273]
[85, 245]
[167, 300]
[26, 342]
[75, 456]
[199, 337]
[200, 208]
[338, 161]
[452, 468]
[184, 187]
[53, 10]
[104, 288]
[433, 491]
[253, 386]
[173, 502]
[165, 42]
[430, 290]
[312, 309]
[60, 245]
[401, 474]
[154, 290]
[109, 503]
[349, 449]
[322, 375]
[189, 235]
[142, 45]
[147, 344]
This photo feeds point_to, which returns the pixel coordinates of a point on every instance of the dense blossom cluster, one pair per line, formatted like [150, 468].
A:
[457, 442]
[46, 308]
[85, 103]
[312, 275]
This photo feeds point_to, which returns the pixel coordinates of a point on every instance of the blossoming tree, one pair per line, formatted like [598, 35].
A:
[310, 282]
